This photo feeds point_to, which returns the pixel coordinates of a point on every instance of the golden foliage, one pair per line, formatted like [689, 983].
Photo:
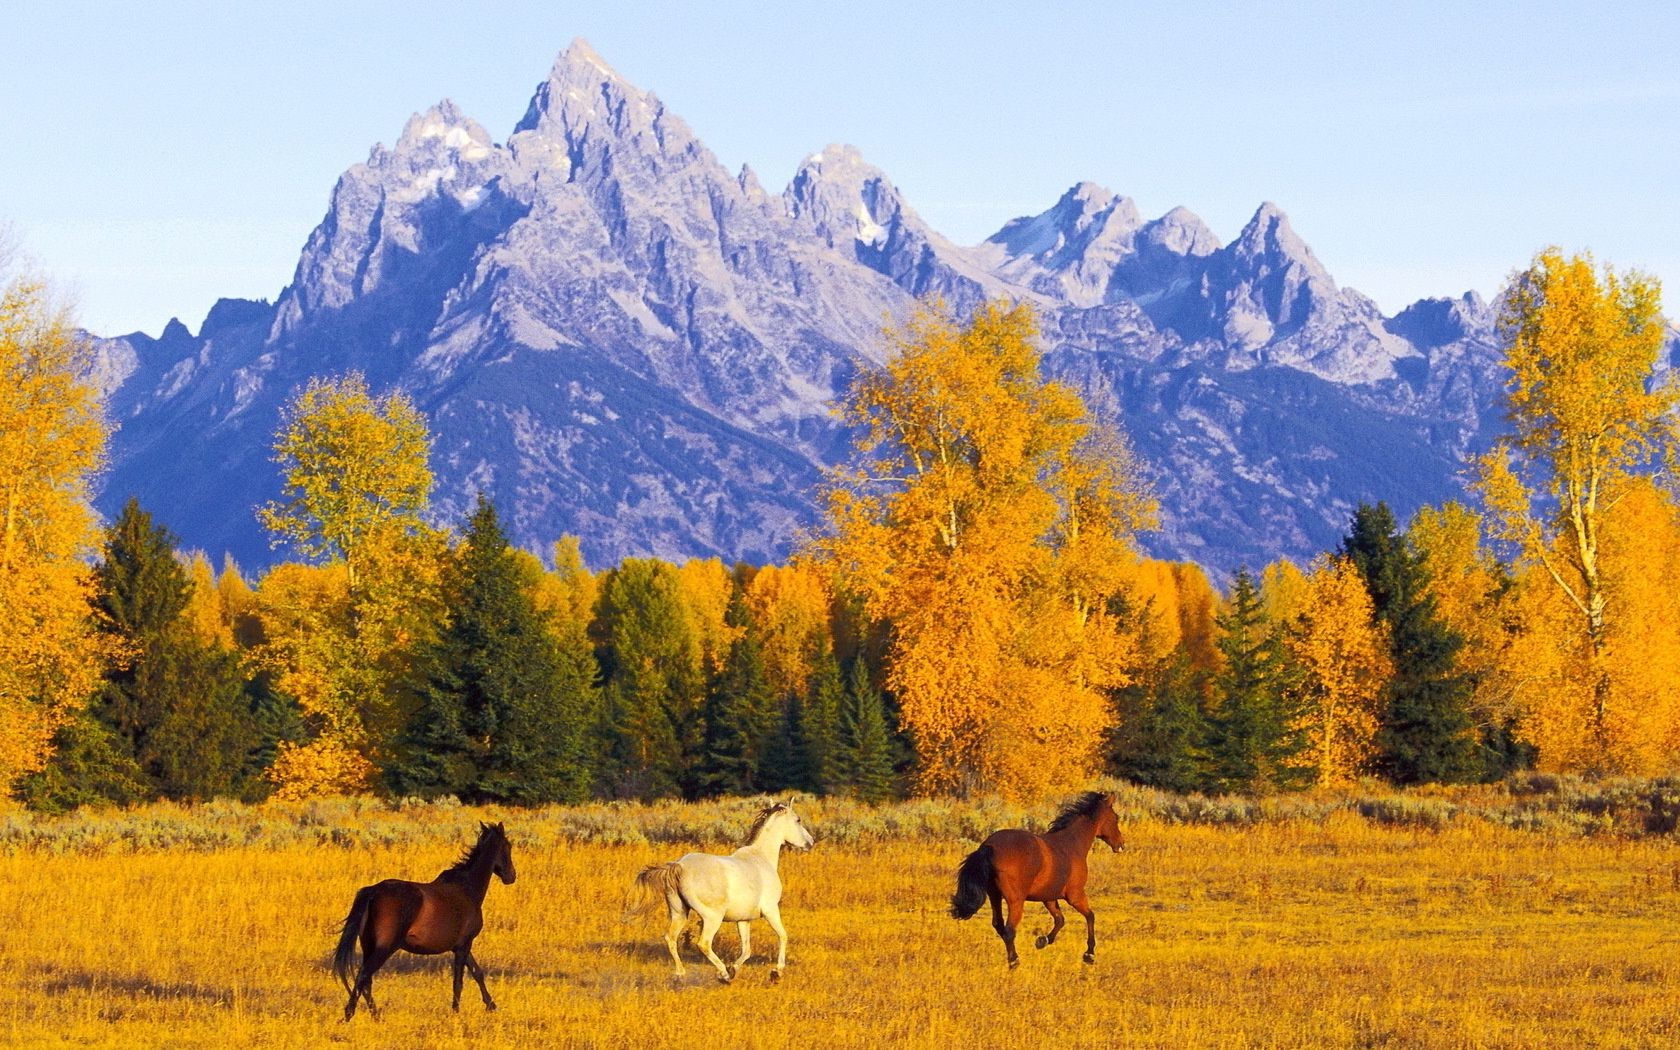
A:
[52, 438]
[355, 469]
[705, 586]
[1344, 659]
[1582, 346]
[790, 604]
[988, 519]
[323, 767]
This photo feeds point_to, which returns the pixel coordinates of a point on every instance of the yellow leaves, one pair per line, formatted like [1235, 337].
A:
[355, 467]
[52, 438]
[790, 604]
[1344, 658]
[324, 766]
[988, 520]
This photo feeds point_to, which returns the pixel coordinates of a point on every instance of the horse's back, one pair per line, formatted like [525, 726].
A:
[732, 886]
[1027, 866]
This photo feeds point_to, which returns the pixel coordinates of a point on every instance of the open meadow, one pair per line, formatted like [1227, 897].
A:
[1478, 918]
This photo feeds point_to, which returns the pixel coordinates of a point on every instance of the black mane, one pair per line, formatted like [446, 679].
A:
[489, 837]
[758, 824]
[1085, 805]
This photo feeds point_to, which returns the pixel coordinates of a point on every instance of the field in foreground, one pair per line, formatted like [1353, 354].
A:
[211, 927]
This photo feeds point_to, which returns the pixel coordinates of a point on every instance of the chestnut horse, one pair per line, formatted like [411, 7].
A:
[1016, 866]
[426, 918]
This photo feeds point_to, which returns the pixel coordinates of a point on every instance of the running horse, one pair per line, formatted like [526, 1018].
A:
[1015, 866]
[738, 888]
[426, 918]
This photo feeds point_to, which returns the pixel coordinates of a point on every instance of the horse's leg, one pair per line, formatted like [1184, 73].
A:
[460, 964]
[1075, 897]
[374, 955]
[745, 930]
[773, 915]
[1009, 928]
[709, 926]
[679, 920]
[478, 975]
[1056, 919]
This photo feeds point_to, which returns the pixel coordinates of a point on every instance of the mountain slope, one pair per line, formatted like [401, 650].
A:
[614, 336]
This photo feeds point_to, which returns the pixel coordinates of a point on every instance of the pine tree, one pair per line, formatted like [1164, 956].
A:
[818, 737]
[1254, 739]
[500, 719]
[172, 719]
[865, 738]
[739, 716]
[653, 688]
[1164, 737]
[1425, 732]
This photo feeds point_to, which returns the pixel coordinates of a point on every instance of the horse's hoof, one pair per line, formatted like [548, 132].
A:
[489, 1007]
[1014, 963]
[775, 975]
[1090, 957]
[1043, 942]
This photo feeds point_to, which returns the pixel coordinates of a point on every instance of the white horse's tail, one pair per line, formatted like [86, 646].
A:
[657, 882]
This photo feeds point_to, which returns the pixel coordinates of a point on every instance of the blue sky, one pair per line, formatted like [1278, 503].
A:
[161, 155]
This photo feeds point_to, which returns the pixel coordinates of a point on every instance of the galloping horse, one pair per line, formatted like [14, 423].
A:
[426, 918]
[1017, 866]
[738, 888]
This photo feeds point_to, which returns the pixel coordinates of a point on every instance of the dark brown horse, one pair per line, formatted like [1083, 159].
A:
[426, 918]
[1016, 866]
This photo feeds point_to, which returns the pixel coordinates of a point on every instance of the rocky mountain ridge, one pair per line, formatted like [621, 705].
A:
[613, 336]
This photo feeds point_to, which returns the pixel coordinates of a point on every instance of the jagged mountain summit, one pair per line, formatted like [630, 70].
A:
[613, 336]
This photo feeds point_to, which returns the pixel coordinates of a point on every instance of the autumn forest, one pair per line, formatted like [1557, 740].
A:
[973, 616]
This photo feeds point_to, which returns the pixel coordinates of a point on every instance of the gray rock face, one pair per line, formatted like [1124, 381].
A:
[615, 337]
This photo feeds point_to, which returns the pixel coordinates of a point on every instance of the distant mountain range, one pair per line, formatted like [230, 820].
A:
[615, 337]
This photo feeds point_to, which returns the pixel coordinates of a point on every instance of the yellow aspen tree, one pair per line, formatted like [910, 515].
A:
[355, 468]
[1198, 604]
[1477, 601]
[1588, 417]
[204, 617]
[705, 586]
[988, 520]
[1283, 591]
[52, 439]
[1344, 661]
[790, 604]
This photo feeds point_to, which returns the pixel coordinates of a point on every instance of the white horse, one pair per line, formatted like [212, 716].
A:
[738, 888]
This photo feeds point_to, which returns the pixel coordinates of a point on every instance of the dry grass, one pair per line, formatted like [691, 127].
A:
[1335, 930]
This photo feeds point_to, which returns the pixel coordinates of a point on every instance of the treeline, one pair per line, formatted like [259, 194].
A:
[972, 615]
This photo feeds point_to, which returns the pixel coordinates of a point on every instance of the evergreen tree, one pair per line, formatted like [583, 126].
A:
[1255, 736]
[499, 718]
[172, 718]
[818, 739]
[739, 713]
[780, 761]
[1163, 736]
[866, 741]
[1425, 728]
[653, 691]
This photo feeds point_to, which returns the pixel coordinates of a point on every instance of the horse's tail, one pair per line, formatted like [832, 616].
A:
[353, 924]
[657, 882]
[974, 881]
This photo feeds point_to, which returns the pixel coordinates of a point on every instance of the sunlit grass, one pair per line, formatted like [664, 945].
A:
[1303, 930]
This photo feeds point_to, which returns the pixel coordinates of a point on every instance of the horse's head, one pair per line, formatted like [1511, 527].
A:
[498, 841]
[1108, 825]
[792, 830]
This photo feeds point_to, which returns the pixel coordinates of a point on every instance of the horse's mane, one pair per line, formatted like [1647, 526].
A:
[763, 817]
[488, 836]
[1085, 805]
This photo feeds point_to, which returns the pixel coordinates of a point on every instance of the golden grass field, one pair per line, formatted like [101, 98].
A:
[1328, 931]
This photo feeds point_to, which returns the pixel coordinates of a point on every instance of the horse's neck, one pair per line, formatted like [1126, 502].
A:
[767, 847]
[476, 875]
[1077, 837]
